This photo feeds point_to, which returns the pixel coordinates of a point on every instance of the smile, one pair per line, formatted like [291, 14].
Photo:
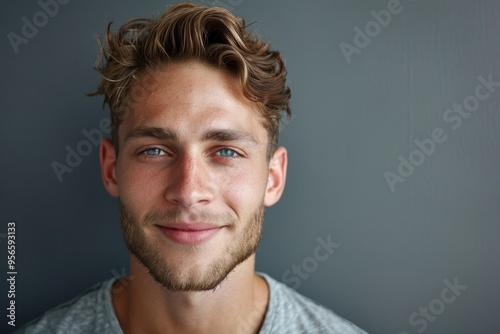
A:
[190, 234]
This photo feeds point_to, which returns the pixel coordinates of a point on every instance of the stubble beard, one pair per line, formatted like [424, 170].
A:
[242, 246]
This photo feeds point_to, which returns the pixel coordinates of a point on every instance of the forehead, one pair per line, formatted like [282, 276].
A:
[183, 93]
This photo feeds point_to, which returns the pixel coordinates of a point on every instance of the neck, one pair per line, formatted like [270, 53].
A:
[237, 305]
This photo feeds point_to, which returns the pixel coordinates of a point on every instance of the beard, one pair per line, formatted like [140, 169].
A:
[168, 272]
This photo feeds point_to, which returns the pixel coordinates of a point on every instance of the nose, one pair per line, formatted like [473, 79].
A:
[189, 183]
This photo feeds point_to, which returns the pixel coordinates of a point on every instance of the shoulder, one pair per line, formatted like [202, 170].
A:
[290, 312]
[90, 312]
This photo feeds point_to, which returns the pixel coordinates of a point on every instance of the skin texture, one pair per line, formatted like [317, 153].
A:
[194, 151]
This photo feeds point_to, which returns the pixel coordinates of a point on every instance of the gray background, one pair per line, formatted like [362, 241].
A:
[352, 122]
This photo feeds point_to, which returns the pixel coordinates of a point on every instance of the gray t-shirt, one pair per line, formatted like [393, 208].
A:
[288, 312]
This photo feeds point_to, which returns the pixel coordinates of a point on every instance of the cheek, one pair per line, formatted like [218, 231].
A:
[243, 188]
[137, 185]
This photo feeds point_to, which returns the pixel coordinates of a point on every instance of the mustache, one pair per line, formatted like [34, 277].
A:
[170, 217]
[157, 217]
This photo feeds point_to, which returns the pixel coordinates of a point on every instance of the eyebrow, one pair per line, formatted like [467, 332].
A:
[229, 135]
[154, 132]
[214, 134]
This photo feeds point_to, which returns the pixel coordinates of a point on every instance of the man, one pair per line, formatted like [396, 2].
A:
[196, 103]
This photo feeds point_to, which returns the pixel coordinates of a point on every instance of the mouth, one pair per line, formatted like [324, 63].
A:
[190, 233]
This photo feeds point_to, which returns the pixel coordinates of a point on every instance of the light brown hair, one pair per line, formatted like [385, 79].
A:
[190, 32]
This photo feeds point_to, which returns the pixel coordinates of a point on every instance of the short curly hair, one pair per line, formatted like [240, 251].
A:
[191, 32]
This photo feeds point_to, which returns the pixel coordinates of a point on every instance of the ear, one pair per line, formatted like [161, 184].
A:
[108, 167]
[277, 176]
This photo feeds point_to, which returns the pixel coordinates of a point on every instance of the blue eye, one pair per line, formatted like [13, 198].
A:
[227, 153]
[153, 151]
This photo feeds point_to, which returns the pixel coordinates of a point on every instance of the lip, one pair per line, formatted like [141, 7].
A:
[190, 233]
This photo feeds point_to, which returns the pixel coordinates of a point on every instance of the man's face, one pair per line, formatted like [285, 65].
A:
[192, 177]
